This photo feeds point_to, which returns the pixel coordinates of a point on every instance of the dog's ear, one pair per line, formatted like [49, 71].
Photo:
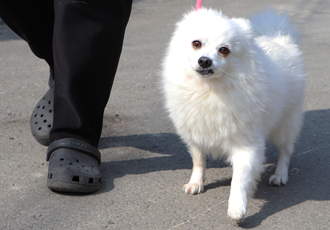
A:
[244, 25]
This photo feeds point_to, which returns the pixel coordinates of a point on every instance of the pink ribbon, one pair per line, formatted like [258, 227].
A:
[198, 5]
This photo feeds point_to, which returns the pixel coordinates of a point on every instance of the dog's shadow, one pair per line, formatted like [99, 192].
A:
[309, 178]
[309, 169]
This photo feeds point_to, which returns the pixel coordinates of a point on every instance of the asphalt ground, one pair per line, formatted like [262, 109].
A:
[144, 164]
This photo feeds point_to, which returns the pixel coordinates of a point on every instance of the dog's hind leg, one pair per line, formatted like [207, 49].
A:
[247, 166]
[196, 183]
[281, 174]
[284, 137]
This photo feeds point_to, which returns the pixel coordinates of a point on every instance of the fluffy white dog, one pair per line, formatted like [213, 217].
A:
[230, 84]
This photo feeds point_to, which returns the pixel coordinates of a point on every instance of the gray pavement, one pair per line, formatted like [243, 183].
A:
[144, 163]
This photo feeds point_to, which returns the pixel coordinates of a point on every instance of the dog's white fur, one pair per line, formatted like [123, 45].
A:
[255, 92]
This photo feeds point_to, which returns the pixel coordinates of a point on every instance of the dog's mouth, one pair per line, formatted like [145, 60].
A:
[205, 72]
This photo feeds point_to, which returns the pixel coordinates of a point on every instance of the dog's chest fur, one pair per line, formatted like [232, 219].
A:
[210, 117]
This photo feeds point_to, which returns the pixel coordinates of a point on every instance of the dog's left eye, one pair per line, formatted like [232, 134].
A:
[197, 44]
[224, 50]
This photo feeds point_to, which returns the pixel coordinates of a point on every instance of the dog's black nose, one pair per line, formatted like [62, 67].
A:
[204, 62]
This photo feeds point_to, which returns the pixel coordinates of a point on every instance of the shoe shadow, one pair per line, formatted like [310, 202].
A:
[309, 169]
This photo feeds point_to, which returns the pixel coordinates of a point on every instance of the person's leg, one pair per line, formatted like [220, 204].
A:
[33, 21]
[88, 38]
[86, 73]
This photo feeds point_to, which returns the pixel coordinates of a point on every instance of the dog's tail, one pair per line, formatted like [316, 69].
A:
[272, 24]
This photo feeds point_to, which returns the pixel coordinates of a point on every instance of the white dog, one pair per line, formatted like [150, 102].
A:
[230, 84]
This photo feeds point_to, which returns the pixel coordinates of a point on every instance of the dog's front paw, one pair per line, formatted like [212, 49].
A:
[236, 209]
[278, 180]
[193, 188]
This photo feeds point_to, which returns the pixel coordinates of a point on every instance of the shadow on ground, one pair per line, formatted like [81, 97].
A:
[309, 169]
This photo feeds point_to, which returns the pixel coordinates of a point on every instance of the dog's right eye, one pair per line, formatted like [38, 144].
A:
[196, 44]
[224, 50]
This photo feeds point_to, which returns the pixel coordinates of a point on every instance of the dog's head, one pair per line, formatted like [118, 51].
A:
[208, 44]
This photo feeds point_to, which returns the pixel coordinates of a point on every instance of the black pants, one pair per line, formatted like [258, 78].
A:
[81, 41]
